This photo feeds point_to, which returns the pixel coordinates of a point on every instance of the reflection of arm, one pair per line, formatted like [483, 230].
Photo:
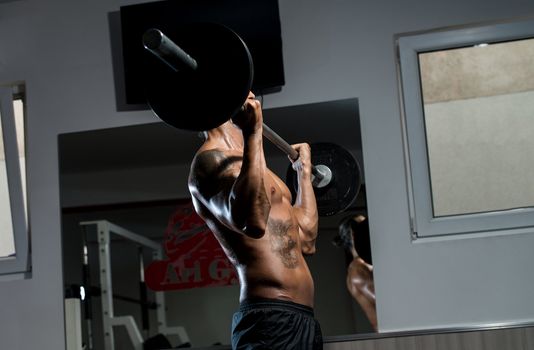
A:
[361, 286]
[305, 203]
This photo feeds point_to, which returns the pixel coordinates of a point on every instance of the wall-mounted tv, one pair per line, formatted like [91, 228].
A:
[256, 22]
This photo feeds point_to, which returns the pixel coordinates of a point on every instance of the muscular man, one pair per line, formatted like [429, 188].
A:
[250, 211]
[354, 232]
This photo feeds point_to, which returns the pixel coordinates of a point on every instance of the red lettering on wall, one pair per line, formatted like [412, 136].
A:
[194, 256]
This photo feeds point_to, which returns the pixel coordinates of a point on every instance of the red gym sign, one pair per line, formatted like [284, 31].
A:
[194, 256]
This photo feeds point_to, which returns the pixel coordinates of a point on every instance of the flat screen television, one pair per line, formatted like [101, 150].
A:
[256, 22]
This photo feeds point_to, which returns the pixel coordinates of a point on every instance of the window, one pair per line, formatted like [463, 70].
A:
[14, 242]
[468, 112]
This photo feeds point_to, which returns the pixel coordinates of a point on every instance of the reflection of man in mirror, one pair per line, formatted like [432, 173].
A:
[353, 236]
[249, 209]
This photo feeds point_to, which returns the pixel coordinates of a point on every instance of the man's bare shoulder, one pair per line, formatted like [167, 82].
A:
[206, 161]
[210, 166]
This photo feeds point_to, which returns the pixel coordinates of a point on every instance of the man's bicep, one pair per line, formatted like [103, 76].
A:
[308, 222]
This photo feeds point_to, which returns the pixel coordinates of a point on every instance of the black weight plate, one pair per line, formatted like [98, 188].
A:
[207, 97]
[344, 187]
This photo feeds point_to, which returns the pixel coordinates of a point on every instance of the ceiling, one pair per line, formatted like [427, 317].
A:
[158, 144]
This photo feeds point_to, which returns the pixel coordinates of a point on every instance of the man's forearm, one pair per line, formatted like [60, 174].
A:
[250, 204]
[306, 206]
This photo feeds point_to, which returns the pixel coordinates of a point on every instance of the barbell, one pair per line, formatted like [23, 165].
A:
[211, 57]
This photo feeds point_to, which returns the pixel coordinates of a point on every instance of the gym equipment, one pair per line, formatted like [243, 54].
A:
[104, 232]
[177, 92]
[88, 304]
[145, 321]
[342, 190]
[183, 96]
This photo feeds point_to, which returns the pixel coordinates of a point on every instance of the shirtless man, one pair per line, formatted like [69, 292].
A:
[353, 232]
[249, 210]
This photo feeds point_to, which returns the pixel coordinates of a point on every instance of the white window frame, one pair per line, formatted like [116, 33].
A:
[20, 263]
[409, 46]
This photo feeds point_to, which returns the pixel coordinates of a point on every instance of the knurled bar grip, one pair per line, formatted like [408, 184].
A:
[279, 142]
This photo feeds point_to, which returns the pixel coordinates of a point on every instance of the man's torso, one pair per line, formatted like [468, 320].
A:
[271, 266]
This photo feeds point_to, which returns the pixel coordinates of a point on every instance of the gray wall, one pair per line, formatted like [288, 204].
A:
[335, 49]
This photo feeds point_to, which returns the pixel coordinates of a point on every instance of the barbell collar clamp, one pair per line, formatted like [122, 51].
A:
[322, 176]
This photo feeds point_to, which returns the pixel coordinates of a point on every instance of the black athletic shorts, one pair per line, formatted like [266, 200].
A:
[273, 324]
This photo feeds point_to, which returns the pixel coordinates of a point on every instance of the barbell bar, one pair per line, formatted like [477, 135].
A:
[222, 63]
[161, 46]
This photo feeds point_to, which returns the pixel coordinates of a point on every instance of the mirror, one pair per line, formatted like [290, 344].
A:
[135, 177]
